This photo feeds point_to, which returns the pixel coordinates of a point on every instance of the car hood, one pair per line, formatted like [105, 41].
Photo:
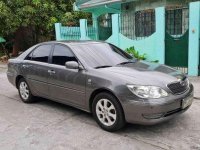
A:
[145, 73]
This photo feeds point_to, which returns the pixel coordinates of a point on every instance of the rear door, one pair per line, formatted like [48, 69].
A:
[66, 85]
[35, 69]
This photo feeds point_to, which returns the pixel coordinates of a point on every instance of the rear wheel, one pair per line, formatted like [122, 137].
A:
[108, 112]
[24, 91]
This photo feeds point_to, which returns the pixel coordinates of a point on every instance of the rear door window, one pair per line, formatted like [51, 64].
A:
[40, 54]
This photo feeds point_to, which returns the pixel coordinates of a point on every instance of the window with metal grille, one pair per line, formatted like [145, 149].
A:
[177, 21]
[144, 23]
[174, 21]
[127, 25]
[137, 25]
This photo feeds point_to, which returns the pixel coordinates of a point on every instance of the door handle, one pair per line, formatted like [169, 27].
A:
[51, 71]
[26, 66]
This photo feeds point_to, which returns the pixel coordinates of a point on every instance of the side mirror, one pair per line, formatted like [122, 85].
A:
[72, 65]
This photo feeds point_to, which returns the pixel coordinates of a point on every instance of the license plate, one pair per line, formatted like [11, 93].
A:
[187, 102]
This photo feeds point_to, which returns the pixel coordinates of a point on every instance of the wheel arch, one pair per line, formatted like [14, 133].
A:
[102, 90]
[17, 80]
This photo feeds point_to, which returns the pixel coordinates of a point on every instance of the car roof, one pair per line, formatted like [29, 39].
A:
[68, 43]
[75, 42]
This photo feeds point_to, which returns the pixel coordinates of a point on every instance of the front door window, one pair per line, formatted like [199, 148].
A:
[61, 55]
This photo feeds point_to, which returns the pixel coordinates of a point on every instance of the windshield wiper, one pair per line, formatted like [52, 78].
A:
[127, 62]
[102, 67]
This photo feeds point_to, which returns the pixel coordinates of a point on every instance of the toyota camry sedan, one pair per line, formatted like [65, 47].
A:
[102, 79]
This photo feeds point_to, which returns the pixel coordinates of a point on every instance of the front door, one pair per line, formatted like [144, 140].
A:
[35, 69]
[177, 38]
[66, 85]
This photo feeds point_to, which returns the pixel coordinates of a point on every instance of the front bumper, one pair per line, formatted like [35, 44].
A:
[155, 111]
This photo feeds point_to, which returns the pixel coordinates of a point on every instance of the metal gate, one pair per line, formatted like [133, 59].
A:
[105, 27]
[177, 38]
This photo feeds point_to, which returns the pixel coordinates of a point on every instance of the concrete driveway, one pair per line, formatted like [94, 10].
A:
[48, 125]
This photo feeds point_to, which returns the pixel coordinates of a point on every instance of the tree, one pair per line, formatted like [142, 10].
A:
[72, 18]
[35, 17]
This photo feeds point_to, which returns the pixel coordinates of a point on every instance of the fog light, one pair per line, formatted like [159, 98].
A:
[153, 116]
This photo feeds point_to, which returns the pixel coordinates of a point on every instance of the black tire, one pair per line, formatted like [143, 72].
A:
[118, 111]
[30, 98]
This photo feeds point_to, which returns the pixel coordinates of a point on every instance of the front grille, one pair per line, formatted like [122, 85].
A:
[179, 87]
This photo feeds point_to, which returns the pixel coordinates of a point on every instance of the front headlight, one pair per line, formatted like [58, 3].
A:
[147, 91]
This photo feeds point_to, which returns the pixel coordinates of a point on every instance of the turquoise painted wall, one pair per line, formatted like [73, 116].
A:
[194, 37]
[153, 45]
[146, 46]
[58, 31]
[83, 26]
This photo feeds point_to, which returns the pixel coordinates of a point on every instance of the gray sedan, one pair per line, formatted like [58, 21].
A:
[102, 79]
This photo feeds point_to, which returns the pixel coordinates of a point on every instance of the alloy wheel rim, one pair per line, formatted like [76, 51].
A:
[106, 112]
[24, 91]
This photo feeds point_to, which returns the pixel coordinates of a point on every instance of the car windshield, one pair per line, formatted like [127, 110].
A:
[101, 55]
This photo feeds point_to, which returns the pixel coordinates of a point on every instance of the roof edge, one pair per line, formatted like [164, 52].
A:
[90, 4]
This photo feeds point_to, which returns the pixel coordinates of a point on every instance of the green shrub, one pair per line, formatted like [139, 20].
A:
[155, 61]
[131, 51]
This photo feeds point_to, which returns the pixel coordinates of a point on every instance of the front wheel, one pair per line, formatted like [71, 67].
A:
[24, 91]
[108, 112]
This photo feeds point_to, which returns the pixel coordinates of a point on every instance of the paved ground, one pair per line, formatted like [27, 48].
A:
[48, 125]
